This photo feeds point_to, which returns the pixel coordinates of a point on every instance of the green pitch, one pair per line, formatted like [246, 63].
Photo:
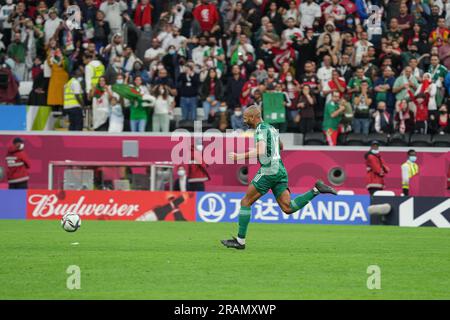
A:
[166, 260]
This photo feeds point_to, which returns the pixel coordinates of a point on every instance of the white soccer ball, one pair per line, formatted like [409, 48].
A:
[71, 222]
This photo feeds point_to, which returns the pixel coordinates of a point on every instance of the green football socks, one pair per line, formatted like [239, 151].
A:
[302, 200]
[244, 219]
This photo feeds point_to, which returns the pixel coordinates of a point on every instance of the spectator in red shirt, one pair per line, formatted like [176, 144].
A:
[18, 165]
[143, 14]
[376, 169]
[207, 16]
[421, 103]
[249, 87]
[336, 84]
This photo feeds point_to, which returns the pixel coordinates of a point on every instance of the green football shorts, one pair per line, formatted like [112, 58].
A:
[277, 182]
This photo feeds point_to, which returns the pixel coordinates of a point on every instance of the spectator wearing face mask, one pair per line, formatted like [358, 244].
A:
[171, 62]
[188, 86]
[116, 117]
[237, 119]
[382, 119]
[138, 112]
[139, 71]
[211, 92]
[440, 124]
[113, 70]
[404, 118]
[376, 169]
[409, 169]
[164, 105]
[222, 117]
[192, 177]
[421, 119]
[18, 165]
[247, 90]
[73, 101]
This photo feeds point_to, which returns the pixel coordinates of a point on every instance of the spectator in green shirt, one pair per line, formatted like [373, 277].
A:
[138, 113]
[406, 81]
[332, 116]
[17, 51]
[354, 86]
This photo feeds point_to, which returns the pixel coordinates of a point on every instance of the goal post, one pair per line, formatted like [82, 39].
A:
[110, 175]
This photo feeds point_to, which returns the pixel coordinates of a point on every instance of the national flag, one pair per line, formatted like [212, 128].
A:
[127, 92]
[235, 56]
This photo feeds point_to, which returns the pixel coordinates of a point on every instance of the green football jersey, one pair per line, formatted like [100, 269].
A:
[267, 133]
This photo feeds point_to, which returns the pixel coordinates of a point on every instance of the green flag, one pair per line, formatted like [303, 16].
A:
[274, 110]
[127, 92]
[235, 55]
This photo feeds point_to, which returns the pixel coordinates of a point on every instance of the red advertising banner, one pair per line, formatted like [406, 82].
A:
[112, 205]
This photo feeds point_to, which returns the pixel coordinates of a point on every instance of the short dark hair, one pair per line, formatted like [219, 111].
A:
[411, 151]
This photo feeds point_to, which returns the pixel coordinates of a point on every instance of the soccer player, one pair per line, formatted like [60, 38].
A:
[271, 175]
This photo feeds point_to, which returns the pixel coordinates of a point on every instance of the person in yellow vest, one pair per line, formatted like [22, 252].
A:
[73, 100]
[94, 69]
[409, 169]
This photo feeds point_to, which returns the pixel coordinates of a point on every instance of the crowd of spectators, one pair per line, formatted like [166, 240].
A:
[343, 66]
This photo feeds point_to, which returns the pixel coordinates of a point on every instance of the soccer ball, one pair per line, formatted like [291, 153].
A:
[71, 222]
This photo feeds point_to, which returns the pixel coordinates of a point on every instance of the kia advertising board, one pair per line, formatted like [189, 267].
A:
[415, 211]
[112, 205]
[224, 207]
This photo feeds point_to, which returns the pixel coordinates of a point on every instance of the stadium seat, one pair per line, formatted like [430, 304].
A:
[341, 139]
[420, 140]
[186, 124]
[315, 139]
[206, 125]
[172, 125]
[298, 139]
[441, 140]
[399, 140]
[177, 113]
[356, 139]
[292, 127]
[380, 137]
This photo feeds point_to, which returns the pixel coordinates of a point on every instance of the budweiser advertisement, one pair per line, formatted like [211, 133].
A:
[112, 205]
